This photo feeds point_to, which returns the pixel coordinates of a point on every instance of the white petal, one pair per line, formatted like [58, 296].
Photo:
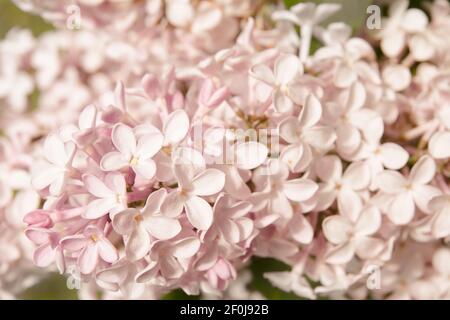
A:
[113, 161]
[250, 155]
[208, 182]
[290, 130]
[148, 145]
[299, 189]
[162, 228]
[301, 230]
[145, 169]
[337, 229]
[423, 171]
[263, 73]
[391, 182]
[199, 212]
[287, 67]
[439, 145]
[393, 156]
[176, 127]
[138, 244]
[124, 140]
[186, 248]
[368, 222]
[282, 102]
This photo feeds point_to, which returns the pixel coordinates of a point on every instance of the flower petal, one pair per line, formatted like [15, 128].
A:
[250, 155]
[124, 140]
[176, 127]
[161, 227]
[138, 244]
[113, 161]
[393, 156]
[199, 213]
[299, 189]
[208, 182]
[423, 171]
[88, 259]
[287, 67]
[337, 229]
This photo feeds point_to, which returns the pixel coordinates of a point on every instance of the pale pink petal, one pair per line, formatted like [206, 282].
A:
[145, 169]
[414, 20]
[292, 156]
[422, 196]
[344, 76]
[250, 155]
[230, 231]
[280, 205]
[74, 243]
[441, 223]
[368, 222]
[287, 67]
[282, 102]
[56, 187]
[88, 259]
[99, 208]
[234, 184]
[349, 203]
[161, 227]
[46, 176]
[393, 156]
[401, 210]
[154, 202]
[138, 244]
[55, 150]
[116, 182]
[124, 140]
[96, 187]
[329, 168]
[337, 229]
[391, 182]
[299, 189]
[176, 127]
[44, 256]
[123, 222]
[107, 251]
[186, 248]
[148, 145]
[290, 130]
[439, 145]
[341, 254]
[393, 43]
[357, 176]
[368, 247]
[87, 117]
[263, 73]
[300, 229]
[321, 138]
[172, 205]
[199, 212]
[348, 137]
[311, 112]
[423, 171]
[113, 161]
[208, 182]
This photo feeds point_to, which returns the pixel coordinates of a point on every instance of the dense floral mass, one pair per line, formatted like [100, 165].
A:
[157, 149]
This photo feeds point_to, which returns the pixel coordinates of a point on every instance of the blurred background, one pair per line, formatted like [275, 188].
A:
[54, 286]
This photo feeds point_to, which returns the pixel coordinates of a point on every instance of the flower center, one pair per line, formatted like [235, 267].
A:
[167, 150]
[138, 218]
[119, 198]
[134, 161]
[95, 238]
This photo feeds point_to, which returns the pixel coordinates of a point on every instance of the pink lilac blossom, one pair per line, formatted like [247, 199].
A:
[333, 161]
